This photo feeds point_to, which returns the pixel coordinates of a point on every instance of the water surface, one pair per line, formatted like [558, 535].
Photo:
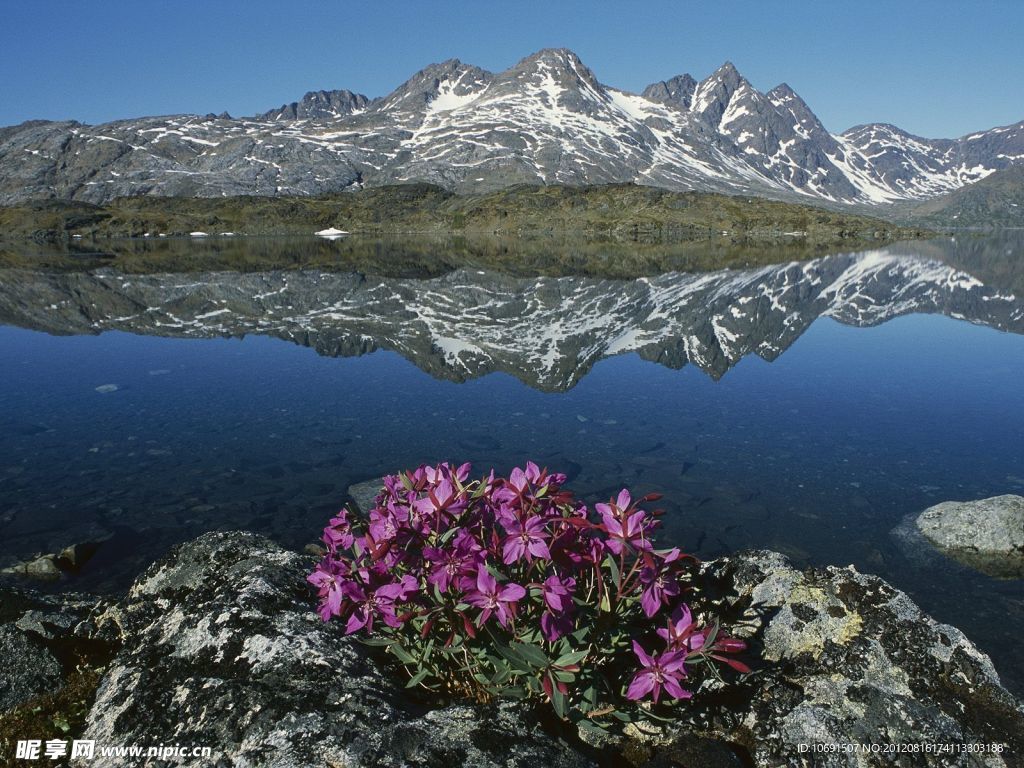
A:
[806, 406]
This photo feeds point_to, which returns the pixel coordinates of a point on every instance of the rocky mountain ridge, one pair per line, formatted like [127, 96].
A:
[546, 120]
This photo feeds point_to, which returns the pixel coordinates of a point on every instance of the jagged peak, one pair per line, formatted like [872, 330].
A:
[785, 98]
[782, 91]
[676, 90]
[727, 68]
[714, 93]
[323, 103]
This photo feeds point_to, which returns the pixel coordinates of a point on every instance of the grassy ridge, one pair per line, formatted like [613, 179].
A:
[620, 211]
[995, 201]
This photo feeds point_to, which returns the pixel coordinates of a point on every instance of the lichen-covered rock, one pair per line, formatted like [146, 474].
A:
[848, 659]
[222, 648]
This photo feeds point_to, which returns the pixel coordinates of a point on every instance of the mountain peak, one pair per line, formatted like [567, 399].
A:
[712, 95]
[423, 87]
[677, 90]
[558, 56]
[782, 92]
[788, 101]
[726, 71]
[570, 75]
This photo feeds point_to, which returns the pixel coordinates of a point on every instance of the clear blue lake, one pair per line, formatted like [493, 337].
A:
[808, 406]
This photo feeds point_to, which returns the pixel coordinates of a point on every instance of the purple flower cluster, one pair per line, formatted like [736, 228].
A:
[515, 579]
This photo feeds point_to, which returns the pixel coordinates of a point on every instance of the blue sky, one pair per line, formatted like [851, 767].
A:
[938, 69]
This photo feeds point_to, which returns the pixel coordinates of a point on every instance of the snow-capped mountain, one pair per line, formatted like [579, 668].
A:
[548, 119]
[546, 331]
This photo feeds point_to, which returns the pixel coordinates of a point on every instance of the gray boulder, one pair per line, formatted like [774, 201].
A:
[222, 648]
[364, 494]
[847, 658]
[987, 534]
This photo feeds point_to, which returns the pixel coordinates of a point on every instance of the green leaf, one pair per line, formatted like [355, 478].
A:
[710, 639]
[611, 565]
[406, 480]
[565, 677]
[450, 534]
[559, 703]
[403, 656]
[571, 658]
[581, 634]
[533, 654]
[418, 678]
[606, 603]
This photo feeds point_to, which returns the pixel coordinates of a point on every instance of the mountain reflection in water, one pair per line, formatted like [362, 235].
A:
[546, 331]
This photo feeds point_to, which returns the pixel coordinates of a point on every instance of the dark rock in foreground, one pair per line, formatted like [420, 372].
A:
[220, 647]
[28, 668]
[40, 641]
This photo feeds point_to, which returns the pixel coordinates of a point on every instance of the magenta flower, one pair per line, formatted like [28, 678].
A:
[620, 506]
[385, 522]
[554, 626]
[449, 564]
[441, 498]
[629, 531]
[557, 592]
[664, 670]
[660, 583]
[379, 602]
[525, 541]
[493, 600]
[681, 633]
[329, 577]
[338, 533]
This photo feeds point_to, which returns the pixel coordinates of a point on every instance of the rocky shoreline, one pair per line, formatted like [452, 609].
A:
[217, 645]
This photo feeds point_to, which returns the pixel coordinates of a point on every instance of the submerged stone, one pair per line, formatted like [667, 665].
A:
[993, 526]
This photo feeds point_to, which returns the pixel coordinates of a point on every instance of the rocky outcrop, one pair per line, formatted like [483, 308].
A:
[28, 668]
[221, 648]
[848, 659]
